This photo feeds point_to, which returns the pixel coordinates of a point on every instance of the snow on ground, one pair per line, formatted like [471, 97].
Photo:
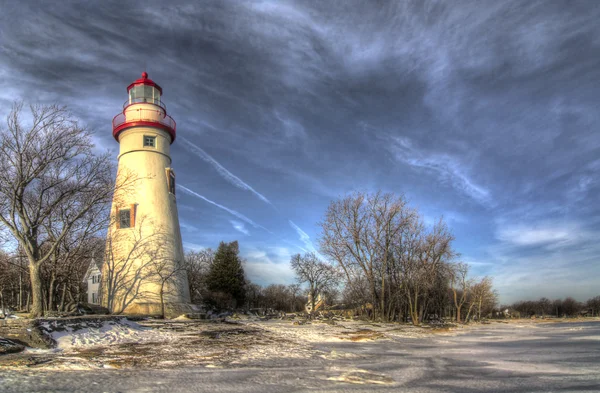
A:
[121, 343]
[102, 333]
[277, 356]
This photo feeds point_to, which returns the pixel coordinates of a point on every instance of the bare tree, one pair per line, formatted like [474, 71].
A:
[14, 279]
[461, 286]
[197, 266]
[294, 292]
[482, 296]
[423, 258]
[48, 170]
[358, 233]
[379, 240]
[594, 305]
[319, 275]
[571, 307]
[70, 260]
[164, 271]
[276, 297]
[8, 277]
[545, 306]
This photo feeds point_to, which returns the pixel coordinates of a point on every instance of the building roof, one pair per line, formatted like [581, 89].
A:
[144, 80]
[93, 265]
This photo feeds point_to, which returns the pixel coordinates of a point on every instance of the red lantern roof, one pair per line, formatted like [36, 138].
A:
[144, 80]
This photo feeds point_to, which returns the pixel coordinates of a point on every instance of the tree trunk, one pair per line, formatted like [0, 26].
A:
[20, 287]
[62, 297]
[458, 314]
[51, 293]
[382, 300]
[413, 309]
[37, 306]
[469, 312]
[162, 301]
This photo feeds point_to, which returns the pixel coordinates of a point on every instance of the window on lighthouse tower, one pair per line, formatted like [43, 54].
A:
[171, 180]
[143, 93]
[149, 141]
[124, 218]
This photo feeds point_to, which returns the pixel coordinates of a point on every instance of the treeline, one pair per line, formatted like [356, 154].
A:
[61, 277]
[543, 307]
[217, 279]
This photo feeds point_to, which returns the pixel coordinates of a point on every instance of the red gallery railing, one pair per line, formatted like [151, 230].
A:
[144, 117]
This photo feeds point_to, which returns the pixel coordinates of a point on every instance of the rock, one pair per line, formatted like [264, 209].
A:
[8, 346]
[27, 331]
[91, 309]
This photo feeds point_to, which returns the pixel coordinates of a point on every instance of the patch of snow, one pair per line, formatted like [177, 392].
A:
[104, 333]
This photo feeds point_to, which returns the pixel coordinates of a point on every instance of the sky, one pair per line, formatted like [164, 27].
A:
[484, 112]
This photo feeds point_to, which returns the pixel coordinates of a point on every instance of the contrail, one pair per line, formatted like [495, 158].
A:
[232, 212]
[230, 177]
[304, 238]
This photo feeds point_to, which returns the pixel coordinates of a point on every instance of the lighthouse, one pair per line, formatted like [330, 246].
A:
[143, 265]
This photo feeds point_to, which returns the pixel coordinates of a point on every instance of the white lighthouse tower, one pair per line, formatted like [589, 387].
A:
[143, 268]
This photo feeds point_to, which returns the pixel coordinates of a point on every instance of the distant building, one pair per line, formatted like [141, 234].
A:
[319, 303]
[93, 277]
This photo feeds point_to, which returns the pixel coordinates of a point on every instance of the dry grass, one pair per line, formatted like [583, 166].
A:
[361, 335]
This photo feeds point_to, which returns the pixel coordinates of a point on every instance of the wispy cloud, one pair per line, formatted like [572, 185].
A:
[447, 167]
[239, 226]
[269, 265]
[228, 210]
[230, 177]
[531, 254]
[186, 226]
[193, 247]
[547, 234]
[291, 128]
[304, 238]
[523, 236]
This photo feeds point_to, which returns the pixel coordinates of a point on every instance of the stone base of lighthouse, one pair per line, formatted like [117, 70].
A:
[172, 310]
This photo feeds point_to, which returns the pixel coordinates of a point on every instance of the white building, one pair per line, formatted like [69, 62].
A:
[93, 277]
[144, 236]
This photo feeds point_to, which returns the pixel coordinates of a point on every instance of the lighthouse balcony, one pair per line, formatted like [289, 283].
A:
[144, 114]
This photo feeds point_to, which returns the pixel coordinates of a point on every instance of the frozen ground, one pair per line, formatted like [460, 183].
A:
[276, 356]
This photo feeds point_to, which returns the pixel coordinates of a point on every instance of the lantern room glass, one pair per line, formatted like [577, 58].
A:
[144, 93]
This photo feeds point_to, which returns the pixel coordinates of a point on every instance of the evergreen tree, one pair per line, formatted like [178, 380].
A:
[226, 278]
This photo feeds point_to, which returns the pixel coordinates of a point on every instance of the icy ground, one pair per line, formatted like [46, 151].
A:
[278, 356]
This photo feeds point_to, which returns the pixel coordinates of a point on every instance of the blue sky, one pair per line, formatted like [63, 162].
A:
[485, 112]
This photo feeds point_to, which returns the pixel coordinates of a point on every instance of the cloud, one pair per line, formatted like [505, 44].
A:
[267, 272]
[523, 236]
[543, 258]
[239, 226]
[187, 227]
[553, 275]
[269, 265]
[447, 167]
[497, 103]
[193, 247]
[291, 128]
[547, 234]
[230, 211]
[230, 177]
[304, 238]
